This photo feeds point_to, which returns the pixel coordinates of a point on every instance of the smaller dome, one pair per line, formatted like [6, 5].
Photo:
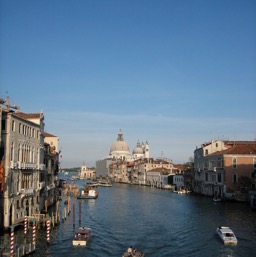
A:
[138, 149]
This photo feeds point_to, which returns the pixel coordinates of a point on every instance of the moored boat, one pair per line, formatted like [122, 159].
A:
[91, 194]
[227, 235]
[81, 236]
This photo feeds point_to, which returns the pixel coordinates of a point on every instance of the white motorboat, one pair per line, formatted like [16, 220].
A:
[105, 184]
[81, 236]
[227, 235]
[90, 194]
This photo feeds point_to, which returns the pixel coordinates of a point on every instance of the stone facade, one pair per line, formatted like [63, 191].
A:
[29, 167]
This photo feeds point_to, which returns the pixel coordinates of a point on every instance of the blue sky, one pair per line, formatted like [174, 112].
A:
[174, 73]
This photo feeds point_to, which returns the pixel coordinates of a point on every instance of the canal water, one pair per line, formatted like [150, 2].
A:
[158, 222]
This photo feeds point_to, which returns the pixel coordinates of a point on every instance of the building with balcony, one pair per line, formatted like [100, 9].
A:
[22, 156]
[225, 169]
[28, 168]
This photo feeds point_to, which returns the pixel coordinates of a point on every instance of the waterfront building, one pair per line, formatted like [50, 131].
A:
[225, 169]
[29, 166]
[21, 152]
[86, 173]
[177, 181]
[102, 167]
[161, 177]
[49, 190]
[118, 171]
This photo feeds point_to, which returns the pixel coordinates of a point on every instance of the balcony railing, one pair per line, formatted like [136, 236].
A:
[23, 165]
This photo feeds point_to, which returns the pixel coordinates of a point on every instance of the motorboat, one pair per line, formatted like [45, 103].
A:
[81, 236]
[227, 235]
[216, 199]
[92, 184]
[105, 184]
[90, 194]
[133, 253]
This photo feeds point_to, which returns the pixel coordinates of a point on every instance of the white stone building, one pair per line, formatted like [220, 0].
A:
[22, 158]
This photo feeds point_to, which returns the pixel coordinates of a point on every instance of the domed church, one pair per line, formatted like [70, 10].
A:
[120, 150]
[141, 151]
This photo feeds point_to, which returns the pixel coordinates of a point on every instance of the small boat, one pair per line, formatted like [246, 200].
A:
[105, 184]
[227, 235]
[81, 236]
[216, 199]
[90, 194]
[132, 252]
[92, 184]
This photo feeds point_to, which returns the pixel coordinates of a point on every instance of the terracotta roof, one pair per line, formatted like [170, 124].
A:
[46, 134]
[180, 166]
[28, 115]
[238, 149]
[158, 170]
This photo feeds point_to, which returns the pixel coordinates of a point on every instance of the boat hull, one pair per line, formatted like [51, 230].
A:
[79, 243]
[87, 197]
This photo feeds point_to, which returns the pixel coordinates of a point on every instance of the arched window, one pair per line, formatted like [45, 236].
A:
[234, 163]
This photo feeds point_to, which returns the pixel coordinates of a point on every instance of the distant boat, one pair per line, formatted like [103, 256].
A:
[92, 184]
[216, 199]
[105, 184]
[81, 236]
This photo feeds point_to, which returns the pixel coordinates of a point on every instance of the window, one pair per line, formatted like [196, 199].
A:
[13, 125]
[206, 151]
[219, 177]
[254, 163]
[3, 124]
[219, 162]
[20, 128]
[206, 177]
[12, 151]
[234, 178]
[234, 163]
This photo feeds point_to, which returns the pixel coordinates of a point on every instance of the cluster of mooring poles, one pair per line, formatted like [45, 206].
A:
[28, 248]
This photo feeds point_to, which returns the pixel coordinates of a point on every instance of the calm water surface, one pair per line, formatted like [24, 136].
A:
[156, 221]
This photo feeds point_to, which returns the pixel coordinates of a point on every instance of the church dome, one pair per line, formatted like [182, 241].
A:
[138, 149]
[119, 146]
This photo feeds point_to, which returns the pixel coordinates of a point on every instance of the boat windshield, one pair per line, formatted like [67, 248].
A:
[229, 235]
